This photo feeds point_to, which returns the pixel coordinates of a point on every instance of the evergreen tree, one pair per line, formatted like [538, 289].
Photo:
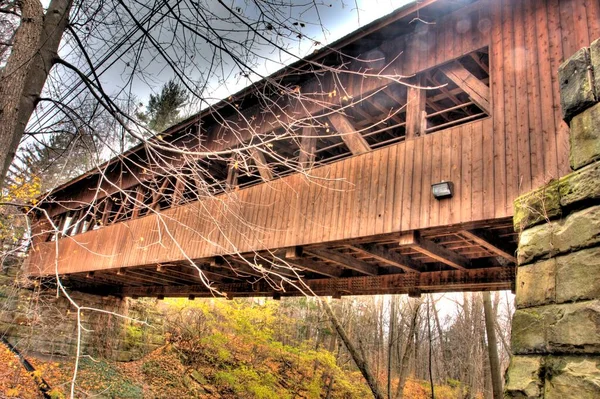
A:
[163, 109]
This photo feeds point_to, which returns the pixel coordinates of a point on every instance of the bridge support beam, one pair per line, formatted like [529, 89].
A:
[555, 340]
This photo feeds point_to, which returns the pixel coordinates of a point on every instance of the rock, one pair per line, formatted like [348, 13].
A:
[528, 331]
[595, 60]
[571, 328]
[585, 137]
[199, 378]
[576, 91]
[579, 230]
[537, 206]
[572, 377]
[536, 284]
[523, 377]
[578, 276]
[581, 185]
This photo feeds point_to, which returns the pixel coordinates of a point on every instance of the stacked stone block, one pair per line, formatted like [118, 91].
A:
[556, 327]
[38, 321]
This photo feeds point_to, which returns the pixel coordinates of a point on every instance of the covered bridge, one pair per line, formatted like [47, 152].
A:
[324, 172]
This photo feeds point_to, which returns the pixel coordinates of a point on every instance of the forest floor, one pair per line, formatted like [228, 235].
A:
[226, 351]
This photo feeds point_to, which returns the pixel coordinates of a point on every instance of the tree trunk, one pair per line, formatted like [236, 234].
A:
[492, 346]
[391, 341]
[32, 56]
[405, 362]
[360, 361]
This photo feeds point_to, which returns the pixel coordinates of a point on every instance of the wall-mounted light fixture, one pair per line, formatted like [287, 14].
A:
[442, 190]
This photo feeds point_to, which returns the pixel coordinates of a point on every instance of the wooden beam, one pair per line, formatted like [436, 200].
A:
[308, 265]
[261, 164]
[353, 140]
[346, 261]
[475, 88]
[435, 251]
[486, 240]
[393, 258]
[495, 278]
[178, 190]
[415, 109]
[232, 173]
[308, 148]
[139, 201]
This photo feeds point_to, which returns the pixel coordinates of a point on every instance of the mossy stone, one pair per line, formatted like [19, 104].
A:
[536, 284]
[577, 231]
[595, 60]
[581, 185]
[585, 137]
[578, 276]
[572, 377]
[523, 378]
[537, 206]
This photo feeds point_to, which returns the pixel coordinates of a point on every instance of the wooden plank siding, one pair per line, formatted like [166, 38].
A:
[491, 161]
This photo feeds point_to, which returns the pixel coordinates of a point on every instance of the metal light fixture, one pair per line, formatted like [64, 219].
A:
[442, 190]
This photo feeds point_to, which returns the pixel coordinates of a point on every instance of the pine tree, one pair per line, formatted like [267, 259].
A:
[163, 109]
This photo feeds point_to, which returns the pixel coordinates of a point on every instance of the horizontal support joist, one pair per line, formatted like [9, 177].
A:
[495, 278]
[344, 260]
[492, 244]
[390, 257]
[293, 256]
[434, 251]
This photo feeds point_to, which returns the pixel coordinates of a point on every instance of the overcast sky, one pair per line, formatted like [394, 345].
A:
[325, 22]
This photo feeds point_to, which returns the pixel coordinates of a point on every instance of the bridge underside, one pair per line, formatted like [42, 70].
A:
[473, 257]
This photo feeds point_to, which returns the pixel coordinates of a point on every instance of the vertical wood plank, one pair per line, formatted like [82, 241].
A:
[556, 58]
[593, 18]
[365, 194]
[466, 188]
[488, 169]
[455, 171]
[436, 176]
[362, 175]
[535, 131]
[477, 173]
[509, 111]
[382, 188]
[522, 103]
[446, 173]
[399, 187]
[407, 203]
[390, 191]
[416, 183]
[497, 90]
[349, 186]
[425, 178]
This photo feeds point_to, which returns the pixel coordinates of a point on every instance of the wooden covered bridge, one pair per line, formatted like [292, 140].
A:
[333, 164]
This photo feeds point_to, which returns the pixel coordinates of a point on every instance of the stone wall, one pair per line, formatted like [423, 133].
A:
[37, 321]
[556, 327]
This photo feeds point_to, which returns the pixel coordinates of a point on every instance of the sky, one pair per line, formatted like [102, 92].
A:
[324, 21]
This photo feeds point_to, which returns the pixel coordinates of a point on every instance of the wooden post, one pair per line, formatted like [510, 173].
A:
[232, 173]
[415, 109]
[308, 147]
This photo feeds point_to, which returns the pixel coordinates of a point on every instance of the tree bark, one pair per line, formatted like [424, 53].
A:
[360, 361]
[492, 346]
[391, 342]
[407, 351]
[34, 51]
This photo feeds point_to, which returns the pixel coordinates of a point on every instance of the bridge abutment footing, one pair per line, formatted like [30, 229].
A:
[556, 326]
[38, 321]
